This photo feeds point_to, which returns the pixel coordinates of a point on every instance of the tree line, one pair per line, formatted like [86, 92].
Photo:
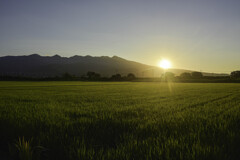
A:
[199, 77]
[168, 76]
[185, 75]
[115, 77]
[89, 76]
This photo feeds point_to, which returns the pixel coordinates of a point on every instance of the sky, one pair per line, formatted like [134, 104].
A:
[201, 35]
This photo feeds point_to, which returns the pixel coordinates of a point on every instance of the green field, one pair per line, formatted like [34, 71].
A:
[122, 120]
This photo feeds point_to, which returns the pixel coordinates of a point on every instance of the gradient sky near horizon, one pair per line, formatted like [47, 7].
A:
[202, 35]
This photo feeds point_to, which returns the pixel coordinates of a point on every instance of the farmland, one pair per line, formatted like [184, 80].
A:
[122, 120]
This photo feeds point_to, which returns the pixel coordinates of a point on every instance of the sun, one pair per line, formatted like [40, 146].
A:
[165, 64]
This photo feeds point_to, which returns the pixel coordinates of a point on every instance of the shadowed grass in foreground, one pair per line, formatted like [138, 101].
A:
[83, 120]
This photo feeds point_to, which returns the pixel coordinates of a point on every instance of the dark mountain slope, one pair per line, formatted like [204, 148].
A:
[43, 66]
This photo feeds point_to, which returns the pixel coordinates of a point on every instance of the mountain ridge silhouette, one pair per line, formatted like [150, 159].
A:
[35, 65]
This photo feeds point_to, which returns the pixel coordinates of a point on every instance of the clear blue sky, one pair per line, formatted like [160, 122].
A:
[193, 34]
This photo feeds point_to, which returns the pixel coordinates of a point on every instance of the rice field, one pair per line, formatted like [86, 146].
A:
[120, 120]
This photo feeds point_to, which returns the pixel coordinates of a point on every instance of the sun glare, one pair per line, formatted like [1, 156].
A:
[165, 64]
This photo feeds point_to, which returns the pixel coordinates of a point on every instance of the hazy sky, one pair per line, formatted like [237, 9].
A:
[193, 34]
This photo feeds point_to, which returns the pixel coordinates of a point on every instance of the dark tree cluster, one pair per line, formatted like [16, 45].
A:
[197, 75]
[67, 76]
[93, 76]
[169, 76]
[118, 77]
[187, 75]
[131, 76]
[235, 75]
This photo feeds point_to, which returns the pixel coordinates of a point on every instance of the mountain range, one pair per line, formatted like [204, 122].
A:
[49, 66]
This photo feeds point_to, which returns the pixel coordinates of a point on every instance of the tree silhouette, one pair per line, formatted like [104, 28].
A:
[197, 75]
[235, 74]
[131, 76]
[116, 77]
[185, 75]
[67, 76]
[93, 76]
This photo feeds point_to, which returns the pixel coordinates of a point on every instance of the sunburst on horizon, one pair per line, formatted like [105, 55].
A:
[165, 64]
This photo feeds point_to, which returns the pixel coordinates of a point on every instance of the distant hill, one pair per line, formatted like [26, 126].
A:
[44, 66]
